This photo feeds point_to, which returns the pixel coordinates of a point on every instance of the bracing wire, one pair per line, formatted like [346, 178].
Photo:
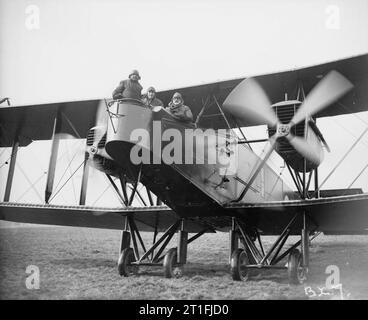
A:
[54, 195]
[66, 169]
[29, 181]
[70, 161]
[107, 188]
[31, 187]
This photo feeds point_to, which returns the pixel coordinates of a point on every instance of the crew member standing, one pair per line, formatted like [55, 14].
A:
[130, 88]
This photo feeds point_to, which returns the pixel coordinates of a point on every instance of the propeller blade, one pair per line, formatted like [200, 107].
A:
[97, 136]
[101, 115]
[271, 145]
[101, 123]
[303, 147]
[249, 103]
[328, 90]
[83, 192]
[319, 134]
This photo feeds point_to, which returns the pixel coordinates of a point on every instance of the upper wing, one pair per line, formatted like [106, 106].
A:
[355, 69]
[332, 215]
[36, 122]
[276, 85]
[146, 218]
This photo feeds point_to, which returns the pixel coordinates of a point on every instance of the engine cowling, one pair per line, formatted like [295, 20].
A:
[95, 151]
[285, 111]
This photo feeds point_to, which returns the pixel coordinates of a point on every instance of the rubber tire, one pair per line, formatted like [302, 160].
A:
[295, 272]
[239, 261]
[171, 267]
[124, 263]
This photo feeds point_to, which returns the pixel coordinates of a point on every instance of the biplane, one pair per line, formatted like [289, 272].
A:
[195, 196]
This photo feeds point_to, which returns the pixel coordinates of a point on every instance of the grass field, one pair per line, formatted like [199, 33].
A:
[80, 263]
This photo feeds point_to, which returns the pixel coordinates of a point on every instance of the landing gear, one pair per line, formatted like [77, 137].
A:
[296, 271]
[253, 257]
[171, 267]
[173, 261]
[243, 261]
[125, 263]
[239, 262]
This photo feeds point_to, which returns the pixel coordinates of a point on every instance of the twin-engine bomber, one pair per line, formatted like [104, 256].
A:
[204, 176]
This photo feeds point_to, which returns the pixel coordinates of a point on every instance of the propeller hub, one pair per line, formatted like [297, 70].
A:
[283, 130]
[93, 150]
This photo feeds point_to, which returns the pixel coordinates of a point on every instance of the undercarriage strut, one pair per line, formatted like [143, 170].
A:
[251, 256]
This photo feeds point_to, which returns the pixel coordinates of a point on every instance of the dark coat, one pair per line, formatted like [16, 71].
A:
[155, 102]
[128, 89]
[180, 112]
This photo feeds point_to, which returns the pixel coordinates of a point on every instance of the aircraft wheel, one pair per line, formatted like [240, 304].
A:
[239, 262]
[171, 267]
[297, 273]
[125, 267]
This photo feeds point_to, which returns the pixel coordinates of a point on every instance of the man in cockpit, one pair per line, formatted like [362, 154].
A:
[150, 100]
[178, 110]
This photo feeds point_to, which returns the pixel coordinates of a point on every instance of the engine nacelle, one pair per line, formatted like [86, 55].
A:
[95, 151]
[285, 111]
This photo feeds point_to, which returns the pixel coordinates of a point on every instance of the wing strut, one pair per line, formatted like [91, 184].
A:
[135, 187]
[121, 197]
[13, 159]
[84, 184]
[53, 158]
[123, 187]
[342, 159]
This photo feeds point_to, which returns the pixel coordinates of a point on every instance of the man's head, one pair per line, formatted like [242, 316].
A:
[134, 75]
[177, 99]
[151, 92]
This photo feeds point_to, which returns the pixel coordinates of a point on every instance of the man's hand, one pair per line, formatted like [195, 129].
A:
[156, 109]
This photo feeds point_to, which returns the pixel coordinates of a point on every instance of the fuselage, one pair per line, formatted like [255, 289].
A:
[193, 170]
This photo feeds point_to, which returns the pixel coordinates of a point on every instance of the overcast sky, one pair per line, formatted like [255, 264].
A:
[70, 50]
